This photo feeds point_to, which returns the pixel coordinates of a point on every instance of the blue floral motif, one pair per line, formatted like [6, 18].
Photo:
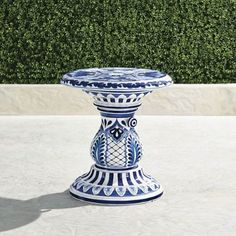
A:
[134, 150]
[98, 149]
[116, 133]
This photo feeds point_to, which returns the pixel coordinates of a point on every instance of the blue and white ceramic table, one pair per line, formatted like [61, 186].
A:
[116, 177]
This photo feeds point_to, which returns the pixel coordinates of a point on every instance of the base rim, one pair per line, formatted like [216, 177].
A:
[115, 202]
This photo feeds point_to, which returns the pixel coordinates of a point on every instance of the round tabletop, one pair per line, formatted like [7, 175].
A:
[117, 78]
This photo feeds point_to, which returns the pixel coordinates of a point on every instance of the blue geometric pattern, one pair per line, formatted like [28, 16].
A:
[117, 184]
[116, 156]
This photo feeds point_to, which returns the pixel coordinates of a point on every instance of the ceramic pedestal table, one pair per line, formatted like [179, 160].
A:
[116, 177]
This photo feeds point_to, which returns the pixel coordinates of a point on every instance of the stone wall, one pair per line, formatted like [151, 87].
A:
[178, 99]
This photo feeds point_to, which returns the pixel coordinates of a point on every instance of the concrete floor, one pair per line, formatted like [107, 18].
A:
[194, 158]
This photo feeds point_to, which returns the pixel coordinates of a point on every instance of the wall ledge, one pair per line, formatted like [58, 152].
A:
[178, 99]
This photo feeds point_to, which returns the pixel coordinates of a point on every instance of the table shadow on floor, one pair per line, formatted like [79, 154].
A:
[15, 213]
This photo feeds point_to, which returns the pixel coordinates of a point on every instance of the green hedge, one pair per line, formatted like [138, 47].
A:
[192, 40]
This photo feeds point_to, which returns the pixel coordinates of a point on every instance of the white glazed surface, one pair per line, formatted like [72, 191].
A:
[193, 157]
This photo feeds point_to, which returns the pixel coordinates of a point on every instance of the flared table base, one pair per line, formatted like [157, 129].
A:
[114, 187]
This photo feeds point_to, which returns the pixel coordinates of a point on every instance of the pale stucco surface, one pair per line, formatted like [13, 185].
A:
[178, 99]
[193, 157]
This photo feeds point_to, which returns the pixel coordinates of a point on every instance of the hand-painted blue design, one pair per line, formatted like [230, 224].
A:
[98, 148]
[123, 122]
[101, 85]
[116, 154]
[115, 74]
[123, 148]
[134, 150]
[132, 122]
[116, 133]
[154, 74]
[116, 78]
[82, 73]
[116, 184]
[106, 123]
